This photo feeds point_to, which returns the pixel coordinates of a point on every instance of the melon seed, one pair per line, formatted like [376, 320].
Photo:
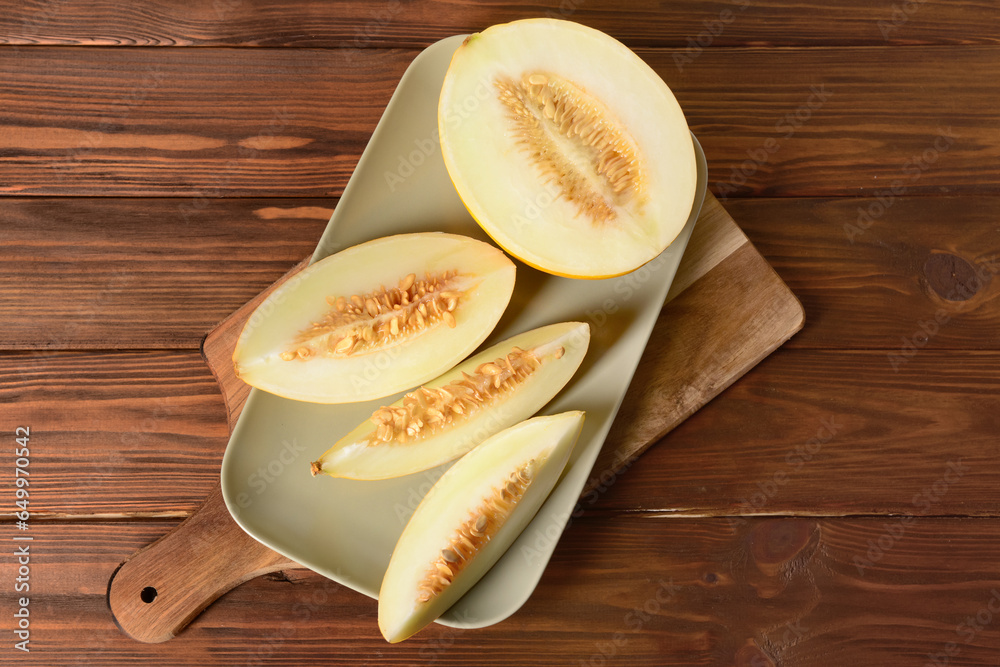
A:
[474, 533]
[345, 345]
[428, 410]
[552, 118]
[363, 322]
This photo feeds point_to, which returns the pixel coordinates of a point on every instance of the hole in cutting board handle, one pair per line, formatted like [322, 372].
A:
[160, 572]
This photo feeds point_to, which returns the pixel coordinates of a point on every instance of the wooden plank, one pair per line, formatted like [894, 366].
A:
[75, 270]
[921, 272]
[357, 24]
[192, 123]
[135, 273]
[633, 589]
[144, 434]
[831, 433]
[116, 434]
[202, 123]
[836, 122]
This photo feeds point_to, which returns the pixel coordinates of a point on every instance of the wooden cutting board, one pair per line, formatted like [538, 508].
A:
[727, 309]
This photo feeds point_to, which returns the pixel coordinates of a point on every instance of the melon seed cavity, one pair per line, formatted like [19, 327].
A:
[428, 410]
[484, 522]
[363, 322]
[573, 142]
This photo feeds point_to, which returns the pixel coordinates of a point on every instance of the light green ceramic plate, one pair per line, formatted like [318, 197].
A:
[346, 529]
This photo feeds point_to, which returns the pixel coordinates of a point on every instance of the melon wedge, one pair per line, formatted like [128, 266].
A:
[376, 318]
[569, 150]
[453, 413]
[469, 518]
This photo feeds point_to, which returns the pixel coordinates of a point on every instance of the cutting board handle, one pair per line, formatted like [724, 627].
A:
[161, 588]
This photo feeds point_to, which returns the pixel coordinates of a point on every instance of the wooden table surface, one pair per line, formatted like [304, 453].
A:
[161, 163]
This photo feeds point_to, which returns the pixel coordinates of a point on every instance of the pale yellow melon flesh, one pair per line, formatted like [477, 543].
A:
[375, 319]
[445, 418]
[469, 518]
[569, 150]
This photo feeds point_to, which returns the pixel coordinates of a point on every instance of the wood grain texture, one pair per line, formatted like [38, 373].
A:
[357, 24]
[631, 590]
[203, 123]
[191, 123]
[144, 434]
[874, 282]
[123, 432]
[728, 314]
[115, 434]
[160, 589]
[831, 433]
[756, 313]
[74, 266]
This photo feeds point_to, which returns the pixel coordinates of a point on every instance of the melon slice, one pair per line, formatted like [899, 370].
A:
[569, 150]
[469, 518]
[453, 413]
[375, 319]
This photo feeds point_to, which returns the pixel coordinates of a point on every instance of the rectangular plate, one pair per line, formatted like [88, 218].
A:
[346, 529]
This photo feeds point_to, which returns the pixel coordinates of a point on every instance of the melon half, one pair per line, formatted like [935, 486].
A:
[568, 149]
